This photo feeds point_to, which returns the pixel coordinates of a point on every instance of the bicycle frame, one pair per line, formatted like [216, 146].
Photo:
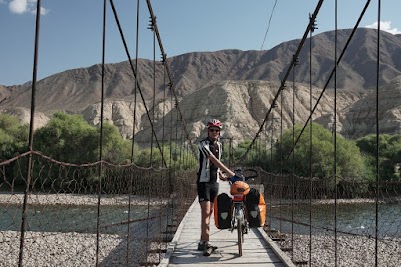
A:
[238, 209]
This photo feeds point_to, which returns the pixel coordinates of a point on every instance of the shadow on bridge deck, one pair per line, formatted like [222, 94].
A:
[258, 248]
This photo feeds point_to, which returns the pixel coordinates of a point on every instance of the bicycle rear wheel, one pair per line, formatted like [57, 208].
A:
[240, 222]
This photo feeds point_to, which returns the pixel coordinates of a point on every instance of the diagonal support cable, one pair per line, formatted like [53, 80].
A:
[136, 80]
[164, 59]
[310, 25]
[331, 75]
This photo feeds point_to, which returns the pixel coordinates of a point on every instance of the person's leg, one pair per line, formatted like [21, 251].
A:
[205, 220]
[207, 209]
[207, 193]
[203, 195]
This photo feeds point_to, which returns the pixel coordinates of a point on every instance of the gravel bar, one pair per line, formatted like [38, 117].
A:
[352, 251]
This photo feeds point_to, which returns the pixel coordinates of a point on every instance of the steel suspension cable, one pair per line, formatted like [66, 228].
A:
[151, 27]
[171, 170]
[164, 56]
[135, 76]
[31, 133]
[133, 130]
[296, 62]
[171, 128]
[281, 148]
[313, 23]
[332, 73]
[164, 107]
[377, 136]
[268, 25]
[181, 147]
[304, 37]
[271, 160]
[101, 135]
[335, 132]
[176, 133]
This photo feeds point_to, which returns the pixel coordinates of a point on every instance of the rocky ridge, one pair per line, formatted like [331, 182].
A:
[235, 86]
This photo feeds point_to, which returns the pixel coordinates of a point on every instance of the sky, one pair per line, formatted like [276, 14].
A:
[70, 32]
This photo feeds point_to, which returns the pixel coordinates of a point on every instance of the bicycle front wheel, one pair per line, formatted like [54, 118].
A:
[240, 222]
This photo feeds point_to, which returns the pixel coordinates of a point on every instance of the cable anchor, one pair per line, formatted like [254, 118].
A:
[312, 23]
[283, 85]
[295, 60]
[152, 23]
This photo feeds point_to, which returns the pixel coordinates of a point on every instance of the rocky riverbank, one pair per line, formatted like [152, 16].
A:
[47, 249]
[72, 248]
[352, 251]
[75, 199]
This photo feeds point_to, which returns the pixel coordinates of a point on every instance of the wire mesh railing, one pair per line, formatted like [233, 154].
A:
[303, 222]
[138, 212]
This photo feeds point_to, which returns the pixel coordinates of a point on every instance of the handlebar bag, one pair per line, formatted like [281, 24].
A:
[222, 211]
[239, 188]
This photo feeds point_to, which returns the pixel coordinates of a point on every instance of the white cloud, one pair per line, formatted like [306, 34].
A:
[43, 11]
[25, 6]
[384, 26]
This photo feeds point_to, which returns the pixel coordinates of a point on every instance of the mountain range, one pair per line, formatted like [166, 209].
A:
[236, 86]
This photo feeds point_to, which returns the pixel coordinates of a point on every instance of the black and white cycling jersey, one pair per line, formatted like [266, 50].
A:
[208, 172]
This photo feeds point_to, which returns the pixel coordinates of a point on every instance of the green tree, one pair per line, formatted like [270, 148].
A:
[389, 154]
[68, 138]
[13, 137]
[240, 149]
[175, 156]
[143, 158]
[350, 163]
[115, 149]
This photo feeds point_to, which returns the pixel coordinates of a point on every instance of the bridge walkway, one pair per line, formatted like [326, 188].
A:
[258, 248]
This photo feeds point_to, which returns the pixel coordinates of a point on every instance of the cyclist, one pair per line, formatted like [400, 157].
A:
[210, 170]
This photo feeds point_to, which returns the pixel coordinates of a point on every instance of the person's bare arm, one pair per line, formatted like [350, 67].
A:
[219, 164]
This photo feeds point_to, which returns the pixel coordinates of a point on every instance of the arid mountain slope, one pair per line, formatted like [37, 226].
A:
[360, 118]
[74, 90]
[236, 86]
[242, 106]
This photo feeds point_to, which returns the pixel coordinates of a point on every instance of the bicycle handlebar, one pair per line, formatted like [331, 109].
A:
[239, 173]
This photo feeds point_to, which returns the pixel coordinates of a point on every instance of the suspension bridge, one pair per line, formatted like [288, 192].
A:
[99, 213]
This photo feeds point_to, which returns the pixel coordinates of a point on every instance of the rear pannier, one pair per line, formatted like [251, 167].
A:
[255, 208]
[222, 211]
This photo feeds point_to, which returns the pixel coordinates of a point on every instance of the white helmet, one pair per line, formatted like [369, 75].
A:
[214, 123]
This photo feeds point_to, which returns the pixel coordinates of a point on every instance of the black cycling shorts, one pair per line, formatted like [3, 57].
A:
[207, 191]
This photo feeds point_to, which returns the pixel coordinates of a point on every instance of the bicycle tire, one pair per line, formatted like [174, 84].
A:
[240, 232]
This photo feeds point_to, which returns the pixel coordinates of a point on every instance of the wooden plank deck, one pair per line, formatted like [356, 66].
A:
[258, 248]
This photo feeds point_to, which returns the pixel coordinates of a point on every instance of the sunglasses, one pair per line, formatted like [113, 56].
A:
[214, 130]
